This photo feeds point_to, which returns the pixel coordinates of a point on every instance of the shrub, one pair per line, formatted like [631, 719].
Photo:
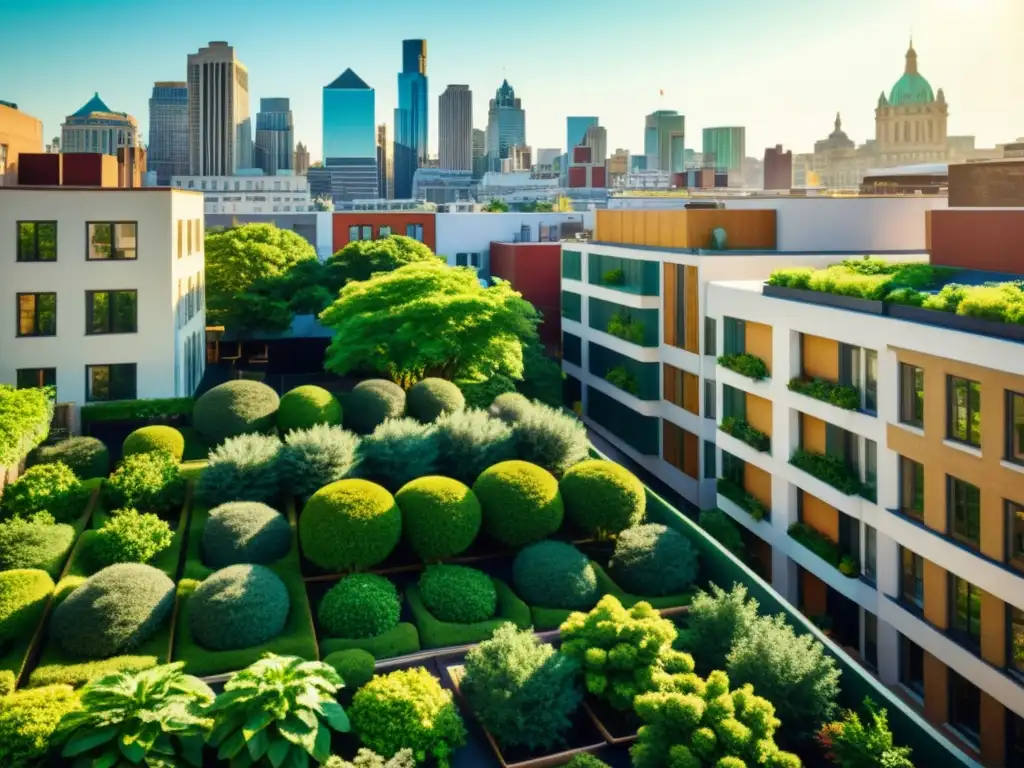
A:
[829, 469]
[480, 394]
[552, 574]
[745, 364]
[510, 407]
[839, 395]
[716, 621]
[355, 666]
[441, 517]
[602, 497]
[28, 719]
[359, 606]
[653, 560]
[722, 529]
[53, 488]
[585, 760]
[350, 524]
[318, 456]
[366, 758]
[743, 498]
[238, 607]
[147, 481]
[130, 537]
[520, 501]
[23, 596]
[307, 406]
[399, 450]
[457, 594]
[408, 709]
[551, 439]
[428, 399]
[371, 403]
[743, 430]
[244, 468]
[234, 408]
[794, 277]
[470, 441]
[86, 456]
[245, 532]
[522, 691]
[25, 418]
[35, 542]
[155, 438]
[113, 611]
[851, 743]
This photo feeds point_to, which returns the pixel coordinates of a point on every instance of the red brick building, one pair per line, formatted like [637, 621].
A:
[583, 172]
[83, 169]
[357, 225]
[778, 168]
[534, 269]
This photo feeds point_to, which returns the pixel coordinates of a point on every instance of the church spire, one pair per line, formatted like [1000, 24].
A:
[911, 67]
[839, 123]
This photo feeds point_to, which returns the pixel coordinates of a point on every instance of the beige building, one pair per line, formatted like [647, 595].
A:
[596, 138]
[219, 127]
[301, 159]
[18, 133]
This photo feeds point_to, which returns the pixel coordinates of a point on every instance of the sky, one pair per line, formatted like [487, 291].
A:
[780, 68]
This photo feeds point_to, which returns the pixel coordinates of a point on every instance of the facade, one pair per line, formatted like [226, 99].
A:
[664, 140]
[219, 127]
[464, 239]
[248, 193]
[314, 227]
[168, 131]
[301, 159]
[97, 128]
[778, 168]
[367, 225]
[18, 133]
[576, 130]
[585, 169]
[123, 315]
[455, 129]
[275, 136]
[350, 139]
[441, 187]
[411, 127]
[533, 269]
[385, 168]
[506, 125]
[479, 153]
[597, 139]
[725, 148]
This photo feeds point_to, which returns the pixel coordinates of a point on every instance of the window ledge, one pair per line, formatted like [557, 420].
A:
[1012, 466]
[958, 737]
[968, 449]
[911, 694]
[910, 428]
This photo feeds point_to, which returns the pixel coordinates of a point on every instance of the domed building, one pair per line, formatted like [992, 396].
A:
[910, 125]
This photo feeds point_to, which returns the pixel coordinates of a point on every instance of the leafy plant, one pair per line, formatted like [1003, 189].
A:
[318, 456]
[240, 606]
[742, 497]
[366, 758]
[839, 395]
[602, 497]
[481, 393]
[129, 536]
[520, 502]
[457, 594]
[399, 450]
[624, 379]
[542, 376]
[853, 743]
[471, 440]
[148, 481]
[359, 606]
[495, 205]
[156, 437]
[585, 760]
[86, 456]
[25, 416]
[722, 529]
[153, 718]
[361, 259]
[429, 399]
[243, 468]
[653, 560]
[747, 432]
[828, 469]
[28, 719]
[622, 324]
[716, 621]
[551, 438]
[280, 710]
[745, 364]
[553, 574]
[355, 666]
[143, 410]
[614, 277]
[239, 407]
[244, 532]
[52, 488]
[849, 566]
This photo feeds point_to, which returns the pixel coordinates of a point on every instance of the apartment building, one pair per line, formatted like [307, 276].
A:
[248, 194]
[106, 291]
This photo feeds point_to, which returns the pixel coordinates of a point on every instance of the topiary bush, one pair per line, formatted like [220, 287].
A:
[553, 574]
[715, 622]
[355, 666]
[602, 497]
[52, 488]
[23, 596]
[318, 456]
[371, 403]
[238, 607]
[147, 481]
[244, 468]
[35, 542]
[349, 524]
[113, 611]
[307, 406]
[235, 408]
[244, 532]
[441, 517]
[520, 501]
[551, 438]
[86, 456]
[457, 594]
[470, 441]
[510, 407]
[28, 720]
[653, 560]
[429, 399]
[398, 451]
[480, 394]
[157, 437]
[359, 606]
[129, 536]
[408, 709]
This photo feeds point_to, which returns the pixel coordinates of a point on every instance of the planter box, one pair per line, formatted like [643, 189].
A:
[614, 726]
[868, 306]
[937, 317]
[435, 633]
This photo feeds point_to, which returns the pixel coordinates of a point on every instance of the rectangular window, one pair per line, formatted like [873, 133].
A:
[870, 381]
[911, 665]
[965, 612]
[911, 578]
[1015, 740]
[415, 231]
[735, 336]
[37, 314]
[733, 468]
[461, 259]
[474, 260]
[964, 707]
[112, 240]
[1015, 640]
[710, 336]
[1015, 535]
[366, 232]
[199, 231]
[385, 231]
[112, 312]
[1015, 427]
[110, 382]
[28, 378]
[353, 233]
[191, 302]
[964, 506]
[870, 640]
[710, 404]
[870, 468]
[912, 395]
[734, 403]
[710, 469]
[870, 547]
[37, 240]
[181, 238]
[963, 404]
[911, 488]
[188, 227]
[849, 365]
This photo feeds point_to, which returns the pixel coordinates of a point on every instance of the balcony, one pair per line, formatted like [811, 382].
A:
[745, 364]
[746, 432]
[634, 276]
[637, 326]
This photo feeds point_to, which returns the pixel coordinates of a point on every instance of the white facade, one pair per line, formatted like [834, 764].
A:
[249, 194]
[472, 233]
[167, 347]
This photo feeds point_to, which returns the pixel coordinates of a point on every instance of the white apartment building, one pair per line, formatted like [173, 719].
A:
[249, 194]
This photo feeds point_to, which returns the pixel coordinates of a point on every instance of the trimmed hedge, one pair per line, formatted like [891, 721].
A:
[441, 517]
[458, 594]
[245, 532]
[371, 403]
[86, 456]
[355, 666]
[240, 606]
[653, 560]
[360, 606]
[400, 640]
[35, 543]
[137, 410]
[429, 399]
[553, 574]
[23, 597]
[243, 468]
[28, 720]
[128, 536]
[349, 524]
[602, 497]
[25, 416]
[520, 501]
[307, 406]
[155, 438]
[235, 408]
[52, 488]
[435, 633]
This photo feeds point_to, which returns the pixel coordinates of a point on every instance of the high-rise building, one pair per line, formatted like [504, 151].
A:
[97, 128]
[664, 137]
[724, 148]
[383, 160]
[219, 127]
[479, 153]
[506, 125]
[275, 136]
[455, 128]
[301, 164]
[168, 131]
[411, 116]
[576, 130]
[350, 137]
[778, 168]
[596, 138]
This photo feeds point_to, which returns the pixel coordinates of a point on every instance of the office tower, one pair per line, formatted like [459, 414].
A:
[411, 116]
[350, 138]
[724, 148]
[301, 163]
[596, 138]
[479, 153]
[455, 128]
[275, 136]
[664, 136]
[97, 128]
[168, 131]
[576, 130]
[382, 160]
[778, 168]
[219, 128]
[506, 125]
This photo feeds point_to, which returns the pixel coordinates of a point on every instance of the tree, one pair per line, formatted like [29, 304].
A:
[852, 743]
[538, 206]
[362, 258]
[428, 319]
[496, 205]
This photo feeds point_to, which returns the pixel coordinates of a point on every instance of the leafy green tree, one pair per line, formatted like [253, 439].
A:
[542, 376]
[362, 258]
[539, 206]
[496, 205]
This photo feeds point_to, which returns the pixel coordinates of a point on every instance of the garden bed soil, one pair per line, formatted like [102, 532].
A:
[615, 727]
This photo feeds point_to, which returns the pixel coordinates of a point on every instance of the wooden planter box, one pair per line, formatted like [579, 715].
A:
[614, 726]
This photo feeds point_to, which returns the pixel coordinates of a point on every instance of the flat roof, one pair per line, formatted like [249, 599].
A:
[62, 188]
[753, 252]
[970, 277]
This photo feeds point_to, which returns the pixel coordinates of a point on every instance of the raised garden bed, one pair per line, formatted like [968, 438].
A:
[853, 303]
[435, 633]
[1009, 331]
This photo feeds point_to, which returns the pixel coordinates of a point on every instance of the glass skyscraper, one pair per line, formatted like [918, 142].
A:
[410, 149]
[168, 131]
[576, 131]
[350, 138]
[506, 125]
[664, 137]
[725, 147]
[275, 136]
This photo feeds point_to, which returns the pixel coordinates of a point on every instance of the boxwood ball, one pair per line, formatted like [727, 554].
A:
[359, 606]
[349, 524]
[307, 406]
[429, 398]
[602, 497]
[238, 607]
[371, 403]
[553, 574]
[441, 517]
[156, 437]
[520, 501]
[235, 408]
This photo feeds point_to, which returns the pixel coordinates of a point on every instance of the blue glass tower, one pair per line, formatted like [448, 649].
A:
[350, 137]
[411, 116]
[275, 136]
[576, 131]
[168, 131]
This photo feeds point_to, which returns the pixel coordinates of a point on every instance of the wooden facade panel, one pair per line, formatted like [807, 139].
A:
[691, 454]
[936, 690]
[812, 437]
[819, 357]
[758, 341]
[744, 229]
[758, 484]
[690, 298]
[814, 595]
[759, 413]
[691, 393]
[993, 630]
[669, 292]
[936, 589]
[820, 516]
[993, 732]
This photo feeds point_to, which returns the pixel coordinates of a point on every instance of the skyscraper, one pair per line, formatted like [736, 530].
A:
[219, 128]
[382, 160]
[411, 116]
[479, 153]
[455, 128]
[350, 138]
[168, 131]
[596, 138]
[275, 136]
[301, 164]
[506, 125]
[664, 139]
[724, 148]
[576, 131]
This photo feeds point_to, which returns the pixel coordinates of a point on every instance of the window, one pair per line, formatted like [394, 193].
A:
[199, 230]
[1015, 640]
[963, 401]
[870, 639]
[181, 238]
[870, 381]
[870, 547]
[911, 578]
[734, 403]
[111, 240]
[710, 469]
[415, 231]
[735, 336]
[188, 227]
[110, 382]
[1015, 427]
[474, 260]
[911, 488]
[965, 611]
[710, 336]
[1015, 535]
[870, 468]
[1015, 740]
[911, 395]
[37, 314]
[189, 305]
[111, 312]
[710, 406]
[353, 233]
[366, 232]
[732, 468]
[385, 231]
[964, 707]
[461, 259]
[911, 665]
[37, 240]
[964, 505]
[849, 365]
[28, 378]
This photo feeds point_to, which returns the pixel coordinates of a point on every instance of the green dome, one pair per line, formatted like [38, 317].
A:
[911, 88]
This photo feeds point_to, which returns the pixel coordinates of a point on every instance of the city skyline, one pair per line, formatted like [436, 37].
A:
[782, 89]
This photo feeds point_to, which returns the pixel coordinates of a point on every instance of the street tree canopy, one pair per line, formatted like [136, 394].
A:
[362, 258]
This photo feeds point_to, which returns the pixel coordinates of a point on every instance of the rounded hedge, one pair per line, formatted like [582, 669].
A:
[238, 607]
[307, 406]
[602, 497]
[430, 398]
[520, 501]
[653, 560]
[371, 403]
[245, 532]
[510, 407]
[86, 456]
[23, 595]
[458, 594]
[113, 611]
[52, 488]
[355, 666]
[28, 719]
[35, 543]
[350, 524]
[553, 574]
[235, 408]
[359, 606]
[441, 517]
[155, 438]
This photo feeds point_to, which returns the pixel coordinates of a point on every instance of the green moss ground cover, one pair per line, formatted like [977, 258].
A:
[400, 640]
[435, 633]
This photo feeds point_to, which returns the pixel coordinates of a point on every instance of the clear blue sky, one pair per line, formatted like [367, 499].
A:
[782, 69]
